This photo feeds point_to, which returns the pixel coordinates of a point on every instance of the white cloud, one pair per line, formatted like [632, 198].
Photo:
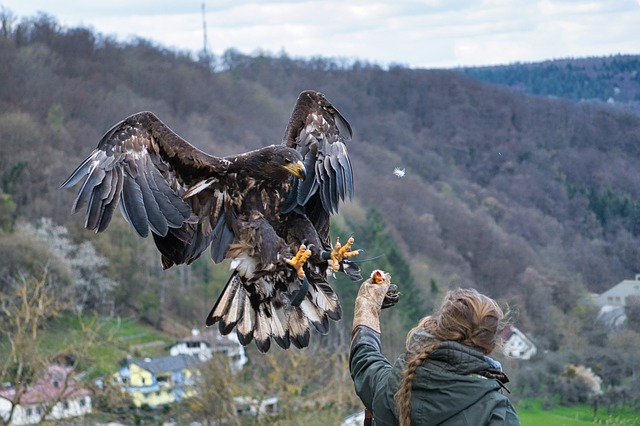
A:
[425, 33]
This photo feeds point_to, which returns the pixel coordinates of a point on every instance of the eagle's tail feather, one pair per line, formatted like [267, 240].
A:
[298, 326]
[327, 300]
[316, 316]
[262, 329]
[275, 318]
[235, 310]
[244, 329]
[227, 298]
[279, 328]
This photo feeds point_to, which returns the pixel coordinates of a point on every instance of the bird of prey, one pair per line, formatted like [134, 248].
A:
[266, 210]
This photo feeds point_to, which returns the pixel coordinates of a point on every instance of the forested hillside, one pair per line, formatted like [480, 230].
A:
[614, 79]
[533, 200]
[498, 186]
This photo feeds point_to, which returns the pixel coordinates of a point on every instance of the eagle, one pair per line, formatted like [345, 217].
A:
[267, 211]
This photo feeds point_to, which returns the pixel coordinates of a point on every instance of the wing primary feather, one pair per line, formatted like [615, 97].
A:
[325, 192]
[112, 201]
[123, 209]
[198, 243]
[348, 175]
[115, 179]
[80, 172]
[157, 221]
[94, 177]
[134, 206]
[99, 194]
[330, 165]
[174, 218]
[180, 205]
[339, 179]
[343, 125]
[310, 184]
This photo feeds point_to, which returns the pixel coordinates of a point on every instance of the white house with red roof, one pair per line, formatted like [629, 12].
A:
[54, 396]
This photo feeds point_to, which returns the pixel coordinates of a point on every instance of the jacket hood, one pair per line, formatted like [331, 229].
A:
[451, 379]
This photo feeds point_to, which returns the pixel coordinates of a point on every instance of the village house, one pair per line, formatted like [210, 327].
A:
[55, 396]
[205, 344]
[159, 381]
[256, 408]
[617, 295]
[517, 344]
[612, 303]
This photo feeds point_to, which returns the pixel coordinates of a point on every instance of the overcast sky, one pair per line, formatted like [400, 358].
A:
[420, 33]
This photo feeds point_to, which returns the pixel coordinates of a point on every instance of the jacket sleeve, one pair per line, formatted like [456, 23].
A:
[504, 415]
[369, 368]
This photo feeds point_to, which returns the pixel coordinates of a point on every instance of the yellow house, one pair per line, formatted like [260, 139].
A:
[158, 381]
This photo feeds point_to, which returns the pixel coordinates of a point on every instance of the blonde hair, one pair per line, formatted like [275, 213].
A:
[464, 316]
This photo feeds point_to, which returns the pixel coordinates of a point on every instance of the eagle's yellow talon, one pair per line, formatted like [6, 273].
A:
[340, 252]
[299, 259]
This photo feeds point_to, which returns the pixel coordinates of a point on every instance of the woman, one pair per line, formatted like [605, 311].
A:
[446, 376]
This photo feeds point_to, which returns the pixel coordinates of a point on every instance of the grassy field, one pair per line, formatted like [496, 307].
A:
[532, 414]
[107, 341]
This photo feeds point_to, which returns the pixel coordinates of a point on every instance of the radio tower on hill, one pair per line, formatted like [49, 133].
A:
[205, 56]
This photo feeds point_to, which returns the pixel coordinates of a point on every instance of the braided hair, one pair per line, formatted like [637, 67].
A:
[464, 316]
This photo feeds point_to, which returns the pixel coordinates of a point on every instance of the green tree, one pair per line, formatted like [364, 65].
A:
[378, 244]
[55, 116]
[7, 211]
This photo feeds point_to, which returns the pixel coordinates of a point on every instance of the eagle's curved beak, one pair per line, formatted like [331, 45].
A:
[297, 169]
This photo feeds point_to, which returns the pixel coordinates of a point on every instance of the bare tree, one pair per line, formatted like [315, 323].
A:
[312, 386]
[215, 388]
[24, 312]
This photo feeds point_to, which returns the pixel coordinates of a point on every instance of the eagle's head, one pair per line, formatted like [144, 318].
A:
[291, 161]
[272, 164]
[277, 162]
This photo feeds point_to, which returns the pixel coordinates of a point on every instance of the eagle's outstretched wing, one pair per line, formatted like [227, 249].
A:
[145, 168]
[319, 132]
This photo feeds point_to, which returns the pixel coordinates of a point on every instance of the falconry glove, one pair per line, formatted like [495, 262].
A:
[369, 301]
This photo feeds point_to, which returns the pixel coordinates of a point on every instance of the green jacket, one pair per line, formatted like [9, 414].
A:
[448, 388]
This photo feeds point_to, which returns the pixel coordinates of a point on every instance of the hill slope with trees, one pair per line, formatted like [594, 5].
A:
[498, 184]
[613, 79]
